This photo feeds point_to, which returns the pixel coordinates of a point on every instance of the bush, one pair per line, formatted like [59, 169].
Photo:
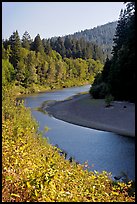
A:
[108, 100]
[99, 91]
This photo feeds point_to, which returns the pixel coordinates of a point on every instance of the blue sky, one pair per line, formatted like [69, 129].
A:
[51, 19]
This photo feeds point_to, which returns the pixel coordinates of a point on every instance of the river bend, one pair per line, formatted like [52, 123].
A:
[103, 150]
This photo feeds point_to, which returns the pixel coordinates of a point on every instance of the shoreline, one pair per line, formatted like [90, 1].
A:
[84, 111]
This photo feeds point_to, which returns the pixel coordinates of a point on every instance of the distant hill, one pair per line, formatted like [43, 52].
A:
[100, 35]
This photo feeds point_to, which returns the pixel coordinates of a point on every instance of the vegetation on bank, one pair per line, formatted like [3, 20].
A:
[34, 64]
[37, 65]
[118, 75]
[34, 171]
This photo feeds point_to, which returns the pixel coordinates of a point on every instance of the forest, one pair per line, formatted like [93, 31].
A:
[118, 75]
[70, 46]
[34, 64]
[32, 169]
[102, 36]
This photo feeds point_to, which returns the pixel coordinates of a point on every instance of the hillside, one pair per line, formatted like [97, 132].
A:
[101, 35]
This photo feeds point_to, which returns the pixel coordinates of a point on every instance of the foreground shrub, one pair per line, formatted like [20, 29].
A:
[99, 91]
[108, 100]
[34, 171]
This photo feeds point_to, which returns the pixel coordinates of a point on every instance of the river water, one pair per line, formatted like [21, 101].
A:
[102, 150]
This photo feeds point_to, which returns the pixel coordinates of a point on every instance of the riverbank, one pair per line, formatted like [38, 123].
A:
[34, 171]
[92, 113]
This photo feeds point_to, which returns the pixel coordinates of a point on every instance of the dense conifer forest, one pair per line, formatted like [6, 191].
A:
[118, 75]
[100, 37]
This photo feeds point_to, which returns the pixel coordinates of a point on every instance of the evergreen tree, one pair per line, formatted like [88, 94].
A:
[26, 40]
[38, 45]
[106, 70]
[31, 76]
[5, 43]
[122, 72]
[118, 76]
[59, 46]
[47, 46]
[15, 44]
[51, 72]
[44, 70]
[120, 33]
[20, 75]
[60, 70]
[22, 66]
[79, 51]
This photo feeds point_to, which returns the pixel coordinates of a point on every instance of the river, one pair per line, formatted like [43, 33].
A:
[102, 150]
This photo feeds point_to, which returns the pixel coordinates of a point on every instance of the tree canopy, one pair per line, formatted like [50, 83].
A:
[42, 62]
[119, 72]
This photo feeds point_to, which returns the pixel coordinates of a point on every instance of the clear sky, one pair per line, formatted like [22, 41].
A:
[51, 19]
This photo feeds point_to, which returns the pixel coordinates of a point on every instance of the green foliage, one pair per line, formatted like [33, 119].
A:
[20, 76]
[108, 100]
[71, 47]
[37, 66]
[47, 46]
[100, 87]
[15, 44]
[119, 73]
[6, 53]
[7, 72]
[31, 76]
[102, 36]
[99, 91]
[34, 171]
[37, 45]
[26, 40]
[122, 70]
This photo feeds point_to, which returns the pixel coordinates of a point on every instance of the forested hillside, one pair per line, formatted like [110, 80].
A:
[69, 46]
[101, 35]
[118, 75]
[34, 64]
[100, 38]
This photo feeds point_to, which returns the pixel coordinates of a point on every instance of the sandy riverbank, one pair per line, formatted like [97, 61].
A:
[92, 113]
